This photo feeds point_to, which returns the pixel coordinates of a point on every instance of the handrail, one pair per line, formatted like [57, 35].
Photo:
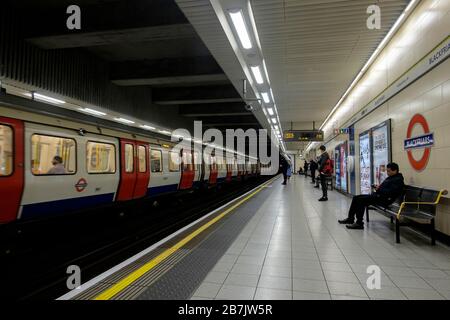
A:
[438, 198]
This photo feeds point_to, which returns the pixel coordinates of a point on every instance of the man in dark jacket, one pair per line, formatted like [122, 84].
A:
[385, 194]
[284, 168]
[324, 157]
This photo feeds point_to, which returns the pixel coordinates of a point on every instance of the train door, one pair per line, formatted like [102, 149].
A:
[127, 170]
[11, 167]
[187, 170]
[143, 170]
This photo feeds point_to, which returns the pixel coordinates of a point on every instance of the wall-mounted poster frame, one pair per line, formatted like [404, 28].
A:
[381, 150]
[365, 162]
[343, 168]
[337, 167]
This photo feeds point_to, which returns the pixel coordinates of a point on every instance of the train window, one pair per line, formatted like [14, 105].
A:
[156, 160]
[174, 161]
[187, 161]
[129, 157]
[101, 157]
[52, 155]
[142, 156]
[6, 151]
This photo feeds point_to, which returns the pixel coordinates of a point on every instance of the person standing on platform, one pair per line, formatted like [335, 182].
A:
[305, 168]
[325, 170]
[385, 194]
[289, 172]
[313, 168]
[284, 167]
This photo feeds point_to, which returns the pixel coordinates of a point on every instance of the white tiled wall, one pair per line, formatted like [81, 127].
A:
[428, 25]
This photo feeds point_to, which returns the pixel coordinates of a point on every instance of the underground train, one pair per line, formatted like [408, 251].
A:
[100, 166]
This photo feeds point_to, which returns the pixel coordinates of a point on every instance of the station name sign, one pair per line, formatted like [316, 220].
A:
[426, 140]
[302, 135]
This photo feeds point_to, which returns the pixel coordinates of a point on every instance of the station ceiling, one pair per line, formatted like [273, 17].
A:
[146, 43]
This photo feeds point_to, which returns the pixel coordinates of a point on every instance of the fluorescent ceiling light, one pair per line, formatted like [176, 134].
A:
[265, 96]
[274, 120]
[92, 111]
[241, 29]
[124, 120]
[270, 111]
[146, 127]
[41, 97]
[257, 74]
[276, 127]
[165, 132]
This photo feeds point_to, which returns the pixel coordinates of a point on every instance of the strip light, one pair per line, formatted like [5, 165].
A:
[146, 127]
[41, 97]
[92, 111]
[265, 96]
[124, 120]
[270, 111]
[257, 74]
[241, 29]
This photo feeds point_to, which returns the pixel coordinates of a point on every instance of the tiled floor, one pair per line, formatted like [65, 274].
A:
[293, 248]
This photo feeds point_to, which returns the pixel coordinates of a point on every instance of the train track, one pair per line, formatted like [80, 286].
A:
[38, 269]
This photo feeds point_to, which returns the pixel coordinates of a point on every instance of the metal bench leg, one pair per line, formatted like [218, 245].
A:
[367, 214]
[397, 230]
[433, 233]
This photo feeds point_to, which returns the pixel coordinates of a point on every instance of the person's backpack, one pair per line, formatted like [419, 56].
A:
[328, 167]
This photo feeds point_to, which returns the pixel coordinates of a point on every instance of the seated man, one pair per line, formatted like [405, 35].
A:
[385, 194]
[58, 167]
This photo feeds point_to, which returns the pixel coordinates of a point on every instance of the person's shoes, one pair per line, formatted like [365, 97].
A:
[355, 225]
[323, 199]
[317, 187]
[346, 221]
[284, 183]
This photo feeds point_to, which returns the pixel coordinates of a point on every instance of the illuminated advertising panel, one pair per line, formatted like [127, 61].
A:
[365, 165]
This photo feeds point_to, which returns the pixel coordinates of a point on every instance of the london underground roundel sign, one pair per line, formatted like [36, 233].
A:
[424, 141]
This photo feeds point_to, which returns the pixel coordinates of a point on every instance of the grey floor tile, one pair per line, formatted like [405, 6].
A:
[230, 292]
[250, 260]
[247, 268]
[336, 266]
[308, 273]
[272, 282]
[340, 276]
[439, 284]
[431, 273]
[272, 294]
[346, 289]
[386, 293]
[201, 298]
[223, 267]
[216, 277]
[419, 264]
[399, 271]
[301, 295]
[316, 286]
[338, 297]
[239, 279]
[410, 282]
[422, 294]
[277, 271]
[207, 290]
[280, 262]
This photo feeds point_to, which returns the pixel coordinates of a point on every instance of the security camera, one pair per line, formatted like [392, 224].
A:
[248, 107]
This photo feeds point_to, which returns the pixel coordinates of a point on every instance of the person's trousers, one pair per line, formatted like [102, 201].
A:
[284, 177]
[313, 176]
[359, 204]
[323, 184]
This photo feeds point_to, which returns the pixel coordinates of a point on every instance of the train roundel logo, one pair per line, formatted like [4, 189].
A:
[81, 185]
[425, 141]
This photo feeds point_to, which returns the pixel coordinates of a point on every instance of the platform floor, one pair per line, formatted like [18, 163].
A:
[293, 248]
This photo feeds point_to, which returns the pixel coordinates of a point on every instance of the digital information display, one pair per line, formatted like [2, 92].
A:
[302, 135]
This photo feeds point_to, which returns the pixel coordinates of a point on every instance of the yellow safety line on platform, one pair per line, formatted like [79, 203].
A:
[132, 277]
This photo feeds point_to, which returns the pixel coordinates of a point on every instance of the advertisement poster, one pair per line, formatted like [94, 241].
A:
[364, 163]
[381, 153]
[343, 166]
[337, 165]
